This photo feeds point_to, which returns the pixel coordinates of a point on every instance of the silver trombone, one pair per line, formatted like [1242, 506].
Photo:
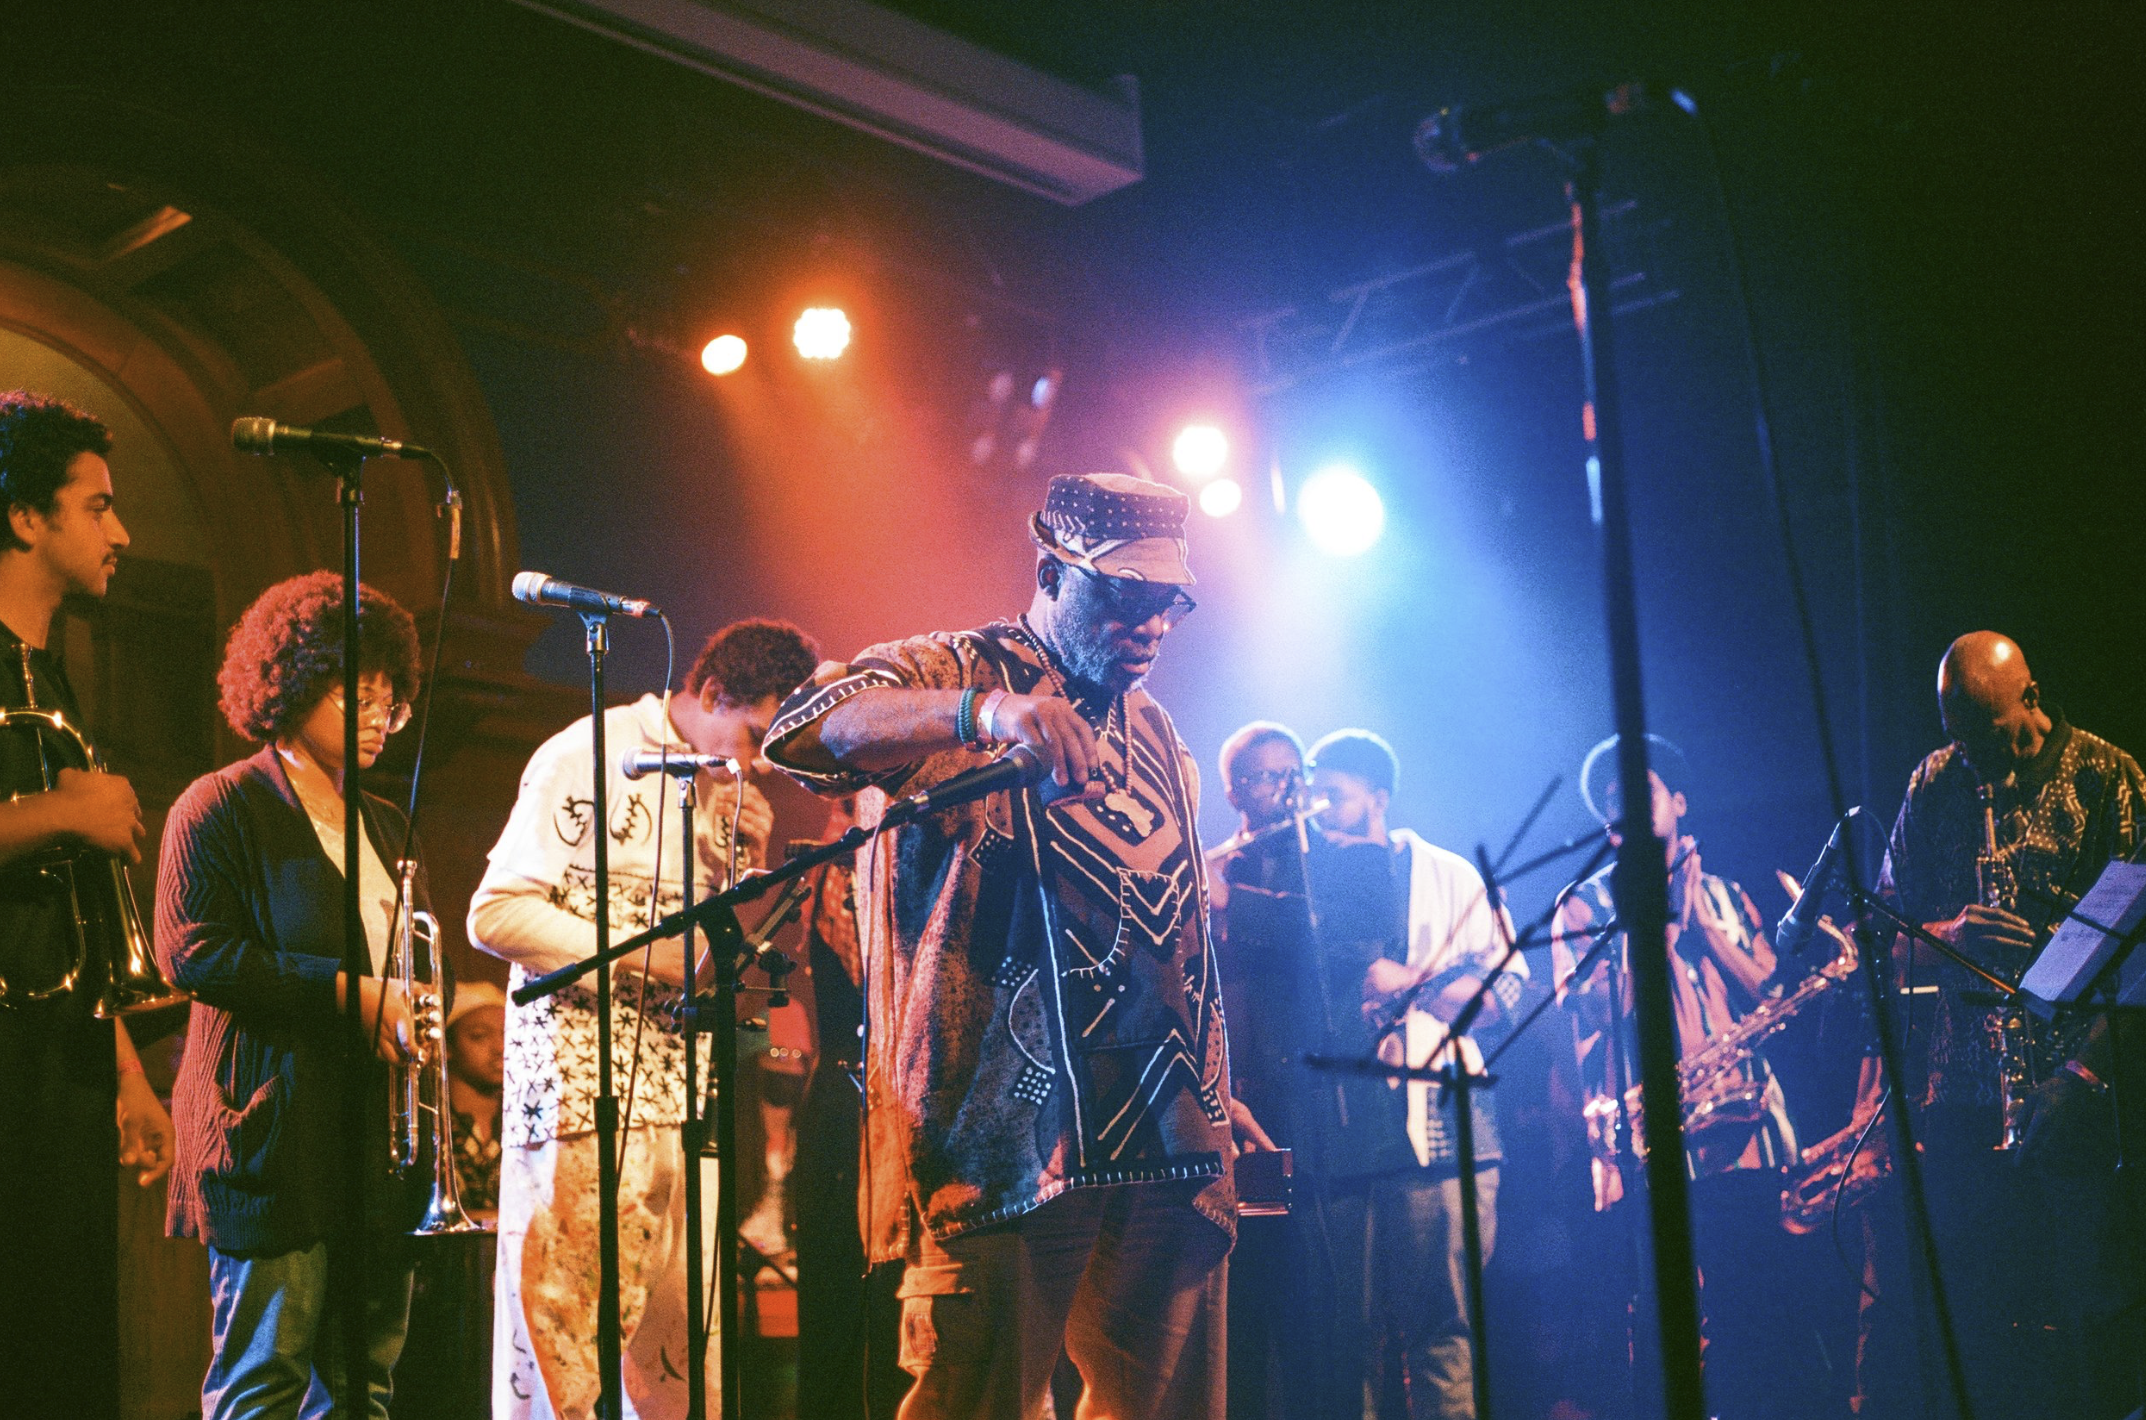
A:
[416, 934]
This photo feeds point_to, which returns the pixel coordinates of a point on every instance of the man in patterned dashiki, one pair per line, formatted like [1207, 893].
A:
[2026, 1250]
[536, 909]
[1049, 1125]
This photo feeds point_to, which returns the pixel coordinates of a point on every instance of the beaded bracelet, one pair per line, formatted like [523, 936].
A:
[965, 717]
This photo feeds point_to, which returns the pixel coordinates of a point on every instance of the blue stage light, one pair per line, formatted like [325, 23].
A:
[1341, 512]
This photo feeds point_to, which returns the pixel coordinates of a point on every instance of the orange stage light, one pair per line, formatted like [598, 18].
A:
[723, 354]
[821, 333]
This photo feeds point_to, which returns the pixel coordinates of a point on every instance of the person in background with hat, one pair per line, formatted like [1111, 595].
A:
[1049, 1118]
[446, 1366]
[1721, 967]
[476, 1069]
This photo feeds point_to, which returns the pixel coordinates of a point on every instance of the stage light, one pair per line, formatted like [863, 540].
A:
[1200, 451]
[1341, 511]
[723, 354]
[821, 333]
[1221, 498]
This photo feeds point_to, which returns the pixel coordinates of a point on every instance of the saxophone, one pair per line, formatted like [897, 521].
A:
[2017, 1068]
[1810, 1195]
[1712, 1085]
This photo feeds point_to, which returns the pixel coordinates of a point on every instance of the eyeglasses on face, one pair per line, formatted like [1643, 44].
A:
[393, 714]
[1135, 602]
[1267, 778]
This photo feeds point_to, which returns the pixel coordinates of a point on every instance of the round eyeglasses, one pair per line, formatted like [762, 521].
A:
[391, 713]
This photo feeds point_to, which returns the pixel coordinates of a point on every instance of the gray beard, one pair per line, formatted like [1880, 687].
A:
[1090, 665]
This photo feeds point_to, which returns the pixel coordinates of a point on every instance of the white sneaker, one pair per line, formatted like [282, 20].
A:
[767, 1227]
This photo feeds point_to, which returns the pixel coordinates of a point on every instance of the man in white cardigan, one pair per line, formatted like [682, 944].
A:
[1414, 923]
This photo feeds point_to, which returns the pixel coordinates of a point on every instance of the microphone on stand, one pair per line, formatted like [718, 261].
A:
[539, 590]
[639, 763]
[1459, 137]
[1018, 768]
[256, 435]
[1797, 926]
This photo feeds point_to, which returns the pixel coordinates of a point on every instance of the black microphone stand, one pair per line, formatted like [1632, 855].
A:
[692, 1136]
[349, 1258]
[350, 1264]
[609, 1358]
[1641, 888]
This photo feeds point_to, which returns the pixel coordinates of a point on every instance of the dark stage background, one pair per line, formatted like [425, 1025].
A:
[1938, 208]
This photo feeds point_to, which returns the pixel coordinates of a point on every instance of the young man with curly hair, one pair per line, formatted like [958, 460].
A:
[249, 919]
[536, 909]
[72, 1094]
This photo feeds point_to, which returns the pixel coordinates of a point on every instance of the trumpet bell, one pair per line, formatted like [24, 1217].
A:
[137, 985]
[445, 1217]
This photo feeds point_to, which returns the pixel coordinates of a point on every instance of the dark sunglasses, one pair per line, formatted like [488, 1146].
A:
[1135, 603]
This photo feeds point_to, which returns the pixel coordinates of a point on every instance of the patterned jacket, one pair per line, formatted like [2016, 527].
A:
[1042, 1009]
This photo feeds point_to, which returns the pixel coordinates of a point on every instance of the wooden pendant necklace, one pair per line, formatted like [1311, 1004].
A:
[1118, 797]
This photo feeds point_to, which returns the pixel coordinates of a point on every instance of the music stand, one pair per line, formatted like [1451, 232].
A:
[2094, 941]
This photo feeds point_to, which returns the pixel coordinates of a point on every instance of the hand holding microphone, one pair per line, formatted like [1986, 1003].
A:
[1054, 730]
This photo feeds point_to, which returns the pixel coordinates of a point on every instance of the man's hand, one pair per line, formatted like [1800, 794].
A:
[101, 810]
[755, 817]
[1245, 1131]
[1986, 933]
[145, 1135]
[663, 963]
[384, 1014]
[1386, 977]
[2066, 1128]
[1055, 730]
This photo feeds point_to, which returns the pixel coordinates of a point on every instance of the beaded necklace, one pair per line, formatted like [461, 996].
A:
[1118, 797]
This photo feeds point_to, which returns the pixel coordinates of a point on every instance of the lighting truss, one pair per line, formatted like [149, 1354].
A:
[1514, 289]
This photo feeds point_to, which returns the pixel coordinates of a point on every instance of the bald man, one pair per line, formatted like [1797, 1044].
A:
[2021, 1244]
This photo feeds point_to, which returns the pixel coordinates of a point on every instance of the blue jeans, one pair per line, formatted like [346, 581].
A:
[276, 1348]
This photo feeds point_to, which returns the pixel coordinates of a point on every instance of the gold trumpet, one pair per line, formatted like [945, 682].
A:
[87, 893]
[420, 1088]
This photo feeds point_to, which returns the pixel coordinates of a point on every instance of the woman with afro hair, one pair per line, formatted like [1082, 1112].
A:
[249, 920]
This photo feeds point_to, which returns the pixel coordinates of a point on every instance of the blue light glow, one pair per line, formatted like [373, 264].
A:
[1341, 512]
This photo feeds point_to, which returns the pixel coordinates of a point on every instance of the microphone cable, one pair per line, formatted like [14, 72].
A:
[450, 506]
[655, 889]
[1890, 1044]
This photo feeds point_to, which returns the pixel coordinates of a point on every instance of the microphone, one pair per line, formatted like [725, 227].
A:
[539, 590]
[256, 435]
[1017, 768]
[639, 763]
[1457, 138]
[1797, 926]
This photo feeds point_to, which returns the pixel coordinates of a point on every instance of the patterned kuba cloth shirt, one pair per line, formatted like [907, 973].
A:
[1025, 1042]
[2070, 810]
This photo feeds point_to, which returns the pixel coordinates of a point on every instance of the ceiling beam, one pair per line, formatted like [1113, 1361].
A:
[897, 79]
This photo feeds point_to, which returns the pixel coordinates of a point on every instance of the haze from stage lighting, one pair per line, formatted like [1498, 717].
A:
[1341, 512]
[1221, 498]
[1199, 451]
[822, 333]
[723, 355]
